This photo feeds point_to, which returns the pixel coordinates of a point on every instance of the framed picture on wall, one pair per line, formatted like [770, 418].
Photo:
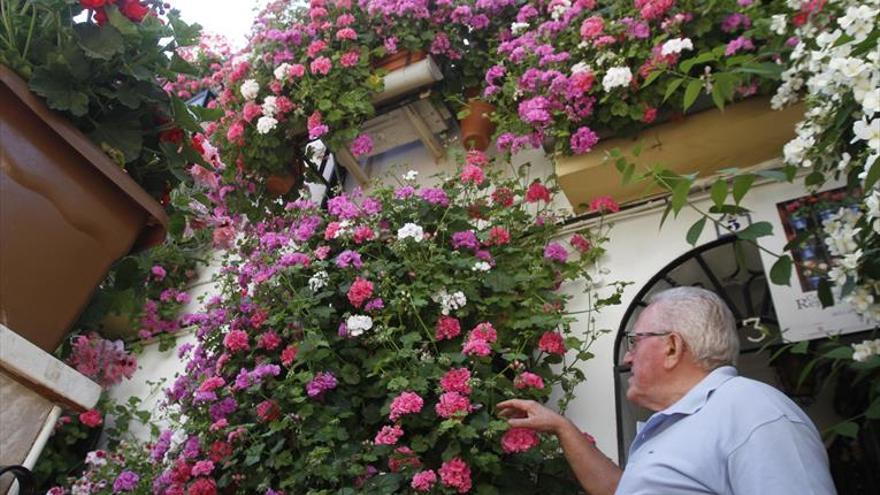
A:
[802, 220]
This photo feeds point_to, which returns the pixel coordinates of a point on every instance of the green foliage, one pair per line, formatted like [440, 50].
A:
[104, 78]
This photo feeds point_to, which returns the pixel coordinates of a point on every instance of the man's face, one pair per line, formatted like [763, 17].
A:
[646, 359]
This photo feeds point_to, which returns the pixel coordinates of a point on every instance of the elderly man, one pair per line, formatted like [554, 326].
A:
[713, 431]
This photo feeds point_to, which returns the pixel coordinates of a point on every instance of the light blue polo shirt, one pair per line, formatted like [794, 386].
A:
[728, 435]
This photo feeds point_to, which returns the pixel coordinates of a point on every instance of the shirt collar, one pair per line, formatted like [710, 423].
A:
[696, 397]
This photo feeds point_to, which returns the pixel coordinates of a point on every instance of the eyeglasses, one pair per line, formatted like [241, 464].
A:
[631, 341]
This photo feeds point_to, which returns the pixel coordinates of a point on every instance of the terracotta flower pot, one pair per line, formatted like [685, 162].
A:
[67, 212]
[398, 60]
[281, 183]
[476, 128]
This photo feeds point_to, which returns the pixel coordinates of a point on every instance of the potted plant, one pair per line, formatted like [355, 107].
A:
[86, 201]
[572, 75]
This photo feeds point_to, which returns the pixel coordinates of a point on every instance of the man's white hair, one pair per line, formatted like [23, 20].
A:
[704, 322]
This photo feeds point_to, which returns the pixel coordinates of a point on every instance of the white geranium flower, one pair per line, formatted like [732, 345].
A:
[410, 175]
[318, 281]
[518, 27]
[281, 71]
[579, 67]
[867, 131]
[270, 106]
[676, 45]
[266, 124]
[616, 77]
[249, 89]
[449, 302]
[559, 9]
[481, 266]
[358, 324]
[411, 231]
[778, 24]
[96, 458]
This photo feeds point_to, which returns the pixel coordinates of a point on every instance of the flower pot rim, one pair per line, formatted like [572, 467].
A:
[157, 218]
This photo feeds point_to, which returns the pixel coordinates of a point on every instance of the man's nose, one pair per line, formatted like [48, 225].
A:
[628, 357]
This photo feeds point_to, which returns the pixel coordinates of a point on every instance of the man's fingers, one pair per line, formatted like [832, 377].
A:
[520, 404]
[511, 413]
[519, 422]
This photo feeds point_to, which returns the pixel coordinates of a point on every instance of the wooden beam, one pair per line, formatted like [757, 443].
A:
[41, 372]
[351, 164]
[425, 135]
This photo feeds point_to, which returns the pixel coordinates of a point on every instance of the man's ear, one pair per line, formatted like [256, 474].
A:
[675, 351]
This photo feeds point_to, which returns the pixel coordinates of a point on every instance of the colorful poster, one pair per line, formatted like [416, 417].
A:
[798, 215]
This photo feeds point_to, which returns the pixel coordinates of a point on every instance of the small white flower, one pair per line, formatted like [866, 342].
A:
[481, 266]
[861, 299]
[616, 77]
[449, 302]
[410, 175]
[794, 150]
[318, 281]
[249, 89]
[778, 23]
[580, 67]
[518, 27]
[281, 71]
[411, 231]
[867, 131]
[96, 458]
[871, 102]
[358, 324]
[858, 22]
[266, 124]
[270, 106]
[559, 9]
[676, 45]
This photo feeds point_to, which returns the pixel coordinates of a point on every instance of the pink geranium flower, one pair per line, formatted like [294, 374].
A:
[405, 403]
[519, 440]
[552, 342]
[456, 474]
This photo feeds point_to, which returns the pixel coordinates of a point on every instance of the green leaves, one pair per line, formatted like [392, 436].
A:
[718, 192]
[99, 42]
[741, 185]
[671, 88]
[755, 231]
[780, 272]
[693, 233]
[59, 94]
[691, 93]
[120, 134]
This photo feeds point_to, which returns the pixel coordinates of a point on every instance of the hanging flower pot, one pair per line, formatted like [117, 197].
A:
[744, 134]
[67, 212]
[280, 184]
[476, 128]
[398, 60]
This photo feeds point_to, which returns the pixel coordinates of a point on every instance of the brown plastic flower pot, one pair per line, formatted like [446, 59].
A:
[398, 60]
[67, 212]
[476, 128]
